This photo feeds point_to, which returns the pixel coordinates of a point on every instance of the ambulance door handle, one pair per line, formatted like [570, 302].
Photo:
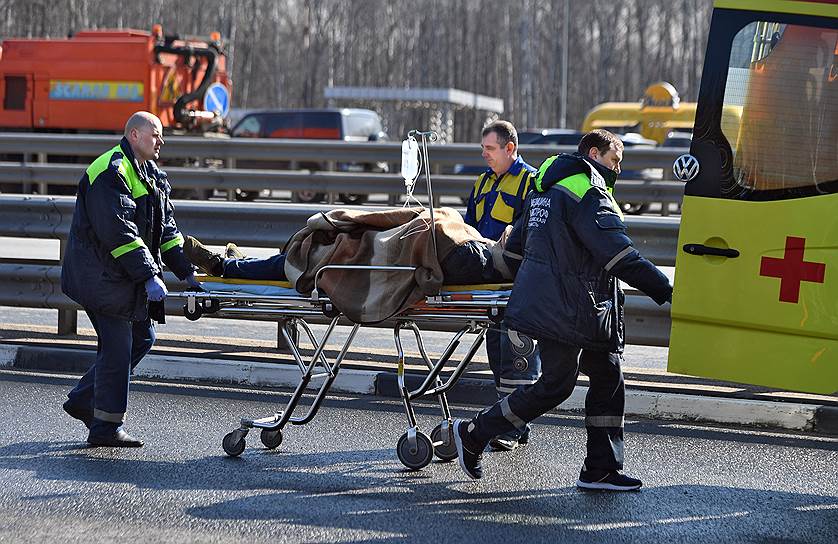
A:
[701, 249]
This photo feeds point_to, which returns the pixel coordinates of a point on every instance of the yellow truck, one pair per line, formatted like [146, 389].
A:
[756, 283]
[656, 116]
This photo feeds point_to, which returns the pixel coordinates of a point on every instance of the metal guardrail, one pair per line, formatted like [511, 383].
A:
[269, 149]
[324, 182]
[265, 224]
[32, 283]
[37, 284]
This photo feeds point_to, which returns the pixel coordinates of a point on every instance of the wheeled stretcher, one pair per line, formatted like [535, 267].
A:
[471, 308]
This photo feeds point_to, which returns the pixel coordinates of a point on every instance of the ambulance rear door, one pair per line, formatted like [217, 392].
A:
[756, 276]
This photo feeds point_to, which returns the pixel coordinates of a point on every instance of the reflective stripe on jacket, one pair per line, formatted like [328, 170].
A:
[496, 202]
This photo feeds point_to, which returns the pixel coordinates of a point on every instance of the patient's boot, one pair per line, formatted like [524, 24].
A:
[208, 261]
[233, 252]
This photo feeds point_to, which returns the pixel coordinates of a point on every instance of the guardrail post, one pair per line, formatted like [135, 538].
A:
[231, 191]
[437, 170]
[68, 320]
[331, 166]
[26, 185]
[42, 186]
[281, 345]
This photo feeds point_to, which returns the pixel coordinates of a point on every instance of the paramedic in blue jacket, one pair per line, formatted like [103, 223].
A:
[567, 296]
[495, 202]
[123, 231]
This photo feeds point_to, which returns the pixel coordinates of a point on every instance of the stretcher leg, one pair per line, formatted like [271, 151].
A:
[409, 447]
[442, 436]
[271, 426]
[282, 344]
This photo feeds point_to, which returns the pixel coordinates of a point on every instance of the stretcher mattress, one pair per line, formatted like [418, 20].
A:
[251, 287]
[283, 288]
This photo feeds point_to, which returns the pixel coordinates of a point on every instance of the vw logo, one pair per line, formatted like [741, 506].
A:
[685, 167]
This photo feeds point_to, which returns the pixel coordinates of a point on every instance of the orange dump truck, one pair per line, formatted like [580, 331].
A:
[94, 80]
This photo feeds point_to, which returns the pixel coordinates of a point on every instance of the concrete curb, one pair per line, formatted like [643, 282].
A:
[647, 404]
[658, 405]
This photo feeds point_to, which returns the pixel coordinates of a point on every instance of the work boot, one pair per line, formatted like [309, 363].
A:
[469, 453]
[606, 480]
[119, 439]
[208, 261]
[85, 415]
[233, 252]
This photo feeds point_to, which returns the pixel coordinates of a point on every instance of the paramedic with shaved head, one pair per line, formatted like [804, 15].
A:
[123, 231]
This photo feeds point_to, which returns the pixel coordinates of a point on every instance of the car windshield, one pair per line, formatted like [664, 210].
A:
[249, 127]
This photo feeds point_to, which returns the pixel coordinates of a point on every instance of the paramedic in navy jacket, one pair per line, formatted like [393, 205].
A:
[567, 296]
[123, 231]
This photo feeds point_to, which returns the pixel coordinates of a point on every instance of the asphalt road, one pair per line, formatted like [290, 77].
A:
[337, 479]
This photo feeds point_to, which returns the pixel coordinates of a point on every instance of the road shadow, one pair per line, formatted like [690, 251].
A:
[429, 511]
[361, 491]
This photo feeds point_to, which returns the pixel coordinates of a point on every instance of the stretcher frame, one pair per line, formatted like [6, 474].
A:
[475, 313]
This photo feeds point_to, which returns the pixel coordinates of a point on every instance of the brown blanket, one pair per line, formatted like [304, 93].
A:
[389, 237]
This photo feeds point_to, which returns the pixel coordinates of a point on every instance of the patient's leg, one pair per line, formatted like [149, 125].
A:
[251, 268]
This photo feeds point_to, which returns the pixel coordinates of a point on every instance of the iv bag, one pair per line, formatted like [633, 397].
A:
[410, 160]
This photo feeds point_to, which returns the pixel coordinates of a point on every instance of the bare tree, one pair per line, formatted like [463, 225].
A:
[282, 53]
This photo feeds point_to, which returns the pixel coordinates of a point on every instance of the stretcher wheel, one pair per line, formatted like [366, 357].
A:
[419, 458]
[520, 363]
[527, 349]
[212, 306]
[271, 438]
[233, 443]
[445, 452]
[192, 316]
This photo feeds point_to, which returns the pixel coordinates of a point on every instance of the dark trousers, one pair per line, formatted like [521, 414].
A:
[120, 346]
[604, 404]
[252, 268]
[507, 378]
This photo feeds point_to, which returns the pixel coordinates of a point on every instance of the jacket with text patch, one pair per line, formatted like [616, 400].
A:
[572, 247]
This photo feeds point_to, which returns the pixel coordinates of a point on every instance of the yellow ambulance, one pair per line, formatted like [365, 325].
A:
[756, 282]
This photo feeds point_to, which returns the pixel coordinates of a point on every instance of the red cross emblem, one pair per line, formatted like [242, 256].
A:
[792, 269]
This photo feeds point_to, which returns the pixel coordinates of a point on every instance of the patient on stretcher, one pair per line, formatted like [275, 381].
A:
[469, 263]
[456, 254]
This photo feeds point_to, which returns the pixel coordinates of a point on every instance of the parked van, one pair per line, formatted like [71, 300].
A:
[347, 124]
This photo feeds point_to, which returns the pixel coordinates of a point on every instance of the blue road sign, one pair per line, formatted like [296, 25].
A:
[217, 99]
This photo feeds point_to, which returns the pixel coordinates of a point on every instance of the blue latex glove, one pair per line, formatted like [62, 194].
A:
[155, 289]
[193, 282]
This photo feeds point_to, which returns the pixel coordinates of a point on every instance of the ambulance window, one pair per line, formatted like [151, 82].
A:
[780, 112]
